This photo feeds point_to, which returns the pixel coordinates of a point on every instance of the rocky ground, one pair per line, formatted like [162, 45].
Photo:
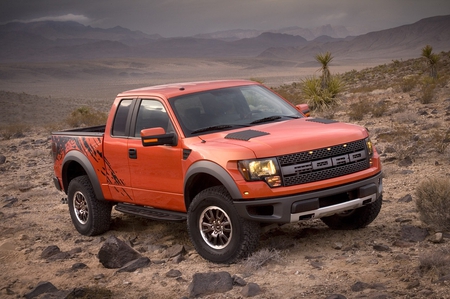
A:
[397, 256]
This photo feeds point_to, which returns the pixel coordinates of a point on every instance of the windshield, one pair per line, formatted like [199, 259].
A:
[230, 108]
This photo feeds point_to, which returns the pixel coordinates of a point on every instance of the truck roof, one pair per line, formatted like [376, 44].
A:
[177, 89]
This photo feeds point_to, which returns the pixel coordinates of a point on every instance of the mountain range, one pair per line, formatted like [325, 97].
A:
[61, 41]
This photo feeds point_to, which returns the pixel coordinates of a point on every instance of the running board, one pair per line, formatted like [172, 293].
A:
[151, 213]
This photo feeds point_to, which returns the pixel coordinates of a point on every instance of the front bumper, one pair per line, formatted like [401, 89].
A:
[314, 204]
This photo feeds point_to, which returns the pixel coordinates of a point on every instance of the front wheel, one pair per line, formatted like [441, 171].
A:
[354, 219]
[218, 233]
[90, 216]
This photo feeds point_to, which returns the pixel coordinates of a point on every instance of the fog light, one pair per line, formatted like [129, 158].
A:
[273, 181]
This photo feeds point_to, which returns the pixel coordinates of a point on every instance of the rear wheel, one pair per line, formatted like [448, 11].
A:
[354, 219]
[90, 216]
[218, 233]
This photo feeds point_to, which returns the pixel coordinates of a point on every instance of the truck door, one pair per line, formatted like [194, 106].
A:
[115, 147]
[156, 171]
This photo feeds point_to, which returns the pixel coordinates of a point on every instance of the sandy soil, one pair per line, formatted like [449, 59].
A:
[379, 261]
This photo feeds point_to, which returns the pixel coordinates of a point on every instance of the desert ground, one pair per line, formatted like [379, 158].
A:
[397, 256]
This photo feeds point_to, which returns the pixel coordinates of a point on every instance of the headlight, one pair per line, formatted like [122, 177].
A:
[261, 170]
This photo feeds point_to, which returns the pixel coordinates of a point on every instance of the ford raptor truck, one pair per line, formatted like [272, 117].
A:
[224, 156]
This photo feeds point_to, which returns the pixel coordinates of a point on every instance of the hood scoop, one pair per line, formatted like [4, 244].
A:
[322, 120]
[246, 135]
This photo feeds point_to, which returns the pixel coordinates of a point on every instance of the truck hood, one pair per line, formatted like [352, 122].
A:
[290, 136]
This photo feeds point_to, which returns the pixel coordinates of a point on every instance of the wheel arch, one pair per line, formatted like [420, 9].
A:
[76, 164]
[204, 174]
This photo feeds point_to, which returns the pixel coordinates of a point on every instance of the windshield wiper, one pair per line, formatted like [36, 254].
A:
[266, 119]
[211, 128]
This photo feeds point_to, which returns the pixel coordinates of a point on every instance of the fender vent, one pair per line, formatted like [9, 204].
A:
[246, 135]
[322, 120]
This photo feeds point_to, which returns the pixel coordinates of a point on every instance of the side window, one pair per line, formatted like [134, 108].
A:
[120, 120]
[152, 114]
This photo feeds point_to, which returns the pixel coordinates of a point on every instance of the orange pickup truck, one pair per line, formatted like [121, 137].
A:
[226, 157]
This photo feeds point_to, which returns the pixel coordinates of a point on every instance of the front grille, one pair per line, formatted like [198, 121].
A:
[324, 163]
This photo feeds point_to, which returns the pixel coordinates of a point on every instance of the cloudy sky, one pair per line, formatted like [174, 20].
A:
[173, 18]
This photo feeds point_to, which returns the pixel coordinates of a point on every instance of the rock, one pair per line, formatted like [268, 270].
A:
[175, 250]
[381, 247]
[2, 159]
[437, 238]
[405, 162]
[406, 198]
[336, 296]
[413, 284]
[79, 266]
[413, 234]
[43, 287]
[132, 266]
[10, 201]
[178, 259]
[403, 244]
[59, 256]
[238, 281]
[173, 273]
[210, 283]
[359, 286]
[250, 290]
[115, 253]
[50, 251]
[337, 246]
[390, 150]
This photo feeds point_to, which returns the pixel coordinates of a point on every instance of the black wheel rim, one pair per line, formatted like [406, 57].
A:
[215, 227]
[80, 207]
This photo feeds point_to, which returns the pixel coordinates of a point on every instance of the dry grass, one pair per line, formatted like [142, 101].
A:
[433, 203]
[261, 258]
[435, 264]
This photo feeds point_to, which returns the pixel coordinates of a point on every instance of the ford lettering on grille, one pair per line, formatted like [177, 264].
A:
[321, 164]
[325, 163]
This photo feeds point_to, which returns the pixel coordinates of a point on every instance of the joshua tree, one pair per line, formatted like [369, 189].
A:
[432, 60]
[321, 93]
[325, 60]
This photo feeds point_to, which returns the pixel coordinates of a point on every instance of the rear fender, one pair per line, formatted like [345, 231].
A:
[82, 161]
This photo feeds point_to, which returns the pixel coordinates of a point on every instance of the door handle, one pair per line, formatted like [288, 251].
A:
[132, 153]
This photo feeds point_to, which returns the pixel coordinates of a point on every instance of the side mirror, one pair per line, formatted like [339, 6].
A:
[303, 108]
[157, 136]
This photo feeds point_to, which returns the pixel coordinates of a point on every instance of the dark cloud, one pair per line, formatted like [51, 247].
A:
[189, 17]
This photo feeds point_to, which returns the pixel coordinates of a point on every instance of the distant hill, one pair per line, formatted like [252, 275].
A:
[60, 41]
[400, 42]
[306, 33]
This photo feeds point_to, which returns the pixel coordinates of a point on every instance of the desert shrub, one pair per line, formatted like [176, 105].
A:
[408, 83]
[407, 116]
[319, 98]
[433, 203]
[379, 109]
[428, 93]
[436, 263]
[259, 80]
[440, 140]
[260, 258]
[85, 116]
[357, 110]
[13, 130]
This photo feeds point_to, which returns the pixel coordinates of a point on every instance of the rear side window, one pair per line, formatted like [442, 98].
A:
[120, 120]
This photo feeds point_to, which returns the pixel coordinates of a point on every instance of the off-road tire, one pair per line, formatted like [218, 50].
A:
[230, 237]
[355, 219]
[90, 216]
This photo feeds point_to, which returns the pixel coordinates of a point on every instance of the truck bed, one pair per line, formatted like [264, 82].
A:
[86, 131]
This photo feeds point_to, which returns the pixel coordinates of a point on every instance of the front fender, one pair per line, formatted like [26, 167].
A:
[218, 172]
[82, 161]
